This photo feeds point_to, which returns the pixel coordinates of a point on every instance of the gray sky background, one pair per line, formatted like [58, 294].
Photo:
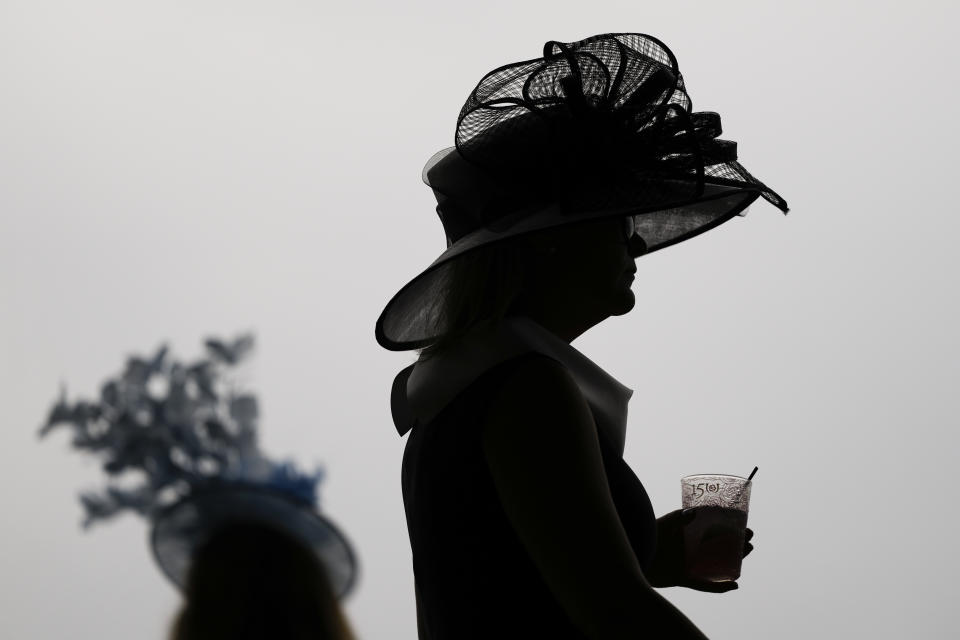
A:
[172, 170]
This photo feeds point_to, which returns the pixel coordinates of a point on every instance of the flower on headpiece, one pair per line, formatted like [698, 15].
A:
[178, 428]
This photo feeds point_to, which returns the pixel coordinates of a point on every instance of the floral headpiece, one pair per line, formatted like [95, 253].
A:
[189, 435]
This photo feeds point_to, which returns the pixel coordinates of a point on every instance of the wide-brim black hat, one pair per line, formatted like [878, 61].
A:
[180, 529]
[594, 129]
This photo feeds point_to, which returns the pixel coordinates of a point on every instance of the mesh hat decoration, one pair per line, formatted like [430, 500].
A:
[593, 129]
[190, 436]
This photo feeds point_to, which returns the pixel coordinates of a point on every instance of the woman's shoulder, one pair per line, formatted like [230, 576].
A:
[516, 375]
[433, 383]
[525, 380]
[531, 376]
[418, 401]
[537, 395]
[533, 365]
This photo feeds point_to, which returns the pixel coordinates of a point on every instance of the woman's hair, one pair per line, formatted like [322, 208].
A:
[251, 581]
[482, 287]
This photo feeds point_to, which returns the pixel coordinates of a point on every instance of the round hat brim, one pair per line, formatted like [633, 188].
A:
[180, 529]
[409, 318]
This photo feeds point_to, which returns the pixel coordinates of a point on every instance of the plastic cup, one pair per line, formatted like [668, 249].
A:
[713, 542]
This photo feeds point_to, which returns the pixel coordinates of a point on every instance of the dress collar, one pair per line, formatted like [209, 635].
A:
[427, 386]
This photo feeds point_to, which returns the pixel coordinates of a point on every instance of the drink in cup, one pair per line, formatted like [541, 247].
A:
[714, 541]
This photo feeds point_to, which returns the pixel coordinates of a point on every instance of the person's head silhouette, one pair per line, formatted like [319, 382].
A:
[253, 581]
[566, 278]
[556, 154]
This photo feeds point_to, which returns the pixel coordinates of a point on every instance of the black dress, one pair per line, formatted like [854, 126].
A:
[473, 576]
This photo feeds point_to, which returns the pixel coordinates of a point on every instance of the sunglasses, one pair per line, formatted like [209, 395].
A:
[635, 244]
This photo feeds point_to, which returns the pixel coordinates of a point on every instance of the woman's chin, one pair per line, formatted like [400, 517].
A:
[623, 303]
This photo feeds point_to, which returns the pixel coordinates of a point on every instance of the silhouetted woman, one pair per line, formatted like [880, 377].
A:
[524, 520]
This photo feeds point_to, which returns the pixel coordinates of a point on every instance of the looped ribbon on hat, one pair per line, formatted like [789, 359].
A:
[636, 136]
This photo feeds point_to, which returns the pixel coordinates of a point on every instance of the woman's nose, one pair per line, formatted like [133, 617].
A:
[636, 247]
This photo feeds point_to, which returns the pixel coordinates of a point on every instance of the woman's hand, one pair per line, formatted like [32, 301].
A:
[668, 567]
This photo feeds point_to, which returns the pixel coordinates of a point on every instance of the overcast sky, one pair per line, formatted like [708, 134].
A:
[174, 170]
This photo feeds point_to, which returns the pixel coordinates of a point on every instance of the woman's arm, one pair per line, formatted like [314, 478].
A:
[541, 446]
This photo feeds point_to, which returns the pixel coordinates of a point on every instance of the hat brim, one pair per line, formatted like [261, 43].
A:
[186, 525]
[408, 319]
